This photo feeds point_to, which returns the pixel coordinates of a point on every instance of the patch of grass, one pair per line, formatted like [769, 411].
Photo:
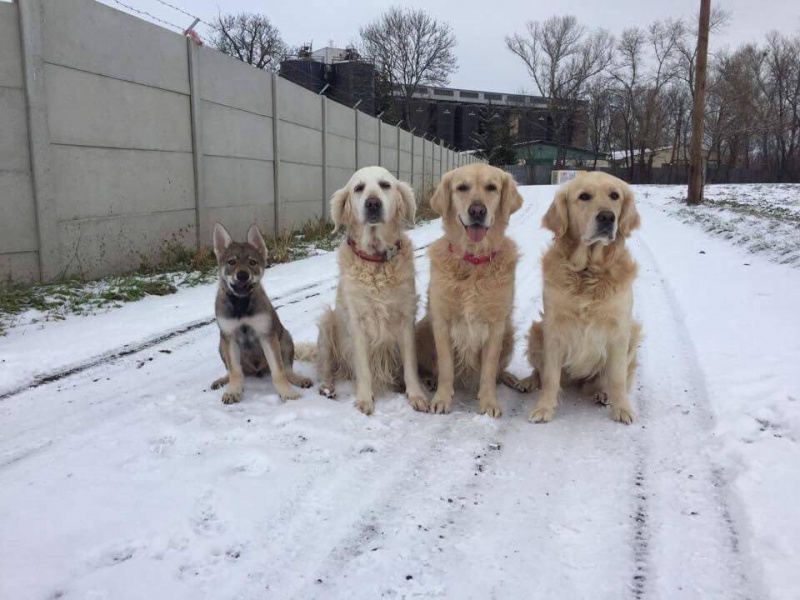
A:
[424, 211]
[56, 300]
[174, 266]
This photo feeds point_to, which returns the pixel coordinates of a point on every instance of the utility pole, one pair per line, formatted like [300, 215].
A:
[695, 192]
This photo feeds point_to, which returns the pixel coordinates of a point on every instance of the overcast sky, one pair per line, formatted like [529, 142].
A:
[481, 25]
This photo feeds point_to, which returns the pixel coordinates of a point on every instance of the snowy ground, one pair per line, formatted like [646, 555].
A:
[764, 218]
[128, 478]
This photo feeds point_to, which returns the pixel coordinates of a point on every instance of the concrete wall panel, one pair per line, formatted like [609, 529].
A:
[230, 82]
[90, 110]
[98, 247]
[300, 144]
[17, 213]
[93, 37]
[100, 182]
[298, 105]
[235, 133]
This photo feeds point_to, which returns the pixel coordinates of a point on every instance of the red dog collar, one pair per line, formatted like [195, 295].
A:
[475, 260]
[384, 256]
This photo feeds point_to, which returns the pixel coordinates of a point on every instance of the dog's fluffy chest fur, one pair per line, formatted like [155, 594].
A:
[378, 293]
[475, 294]
[248, 318]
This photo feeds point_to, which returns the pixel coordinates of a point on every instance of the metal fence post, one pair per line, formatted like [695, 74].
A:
[197, 140]
[324, 109]
[31, 23]
[422, 188]
[398, 151]
[276, 152]
[355, 114]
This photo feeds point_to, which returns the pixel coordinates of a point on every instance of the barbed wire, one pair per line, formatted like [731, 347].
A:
[179, 28]
[180, 10]
[151, 16]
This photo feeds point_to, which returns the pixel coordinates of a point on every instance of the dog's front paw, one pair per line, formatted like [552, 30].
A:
[232, 396]
[623, 414]
[327, 390]
[366, 405]
[523, 386]
[541, 414]
[601, 398]
[217, 384]
[419, 401]
[441, 402]
[488, 405]
[303, 382]
[289, 394]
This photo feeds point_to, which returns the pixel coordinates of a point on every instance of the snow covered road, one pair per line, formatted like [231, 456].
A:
[128, 478]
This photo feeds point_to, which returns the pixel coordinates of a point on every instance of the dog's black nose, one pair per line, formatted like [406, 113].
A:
[242, 276]
[477, 212]
[374, 209]
[605, 218]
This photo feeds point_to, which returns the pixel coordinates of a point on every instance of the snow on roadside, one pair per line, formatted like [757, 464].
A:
[763, 218]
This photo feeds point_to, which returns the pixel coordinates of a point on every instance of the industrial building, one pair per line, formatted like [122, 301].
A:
[456, 116]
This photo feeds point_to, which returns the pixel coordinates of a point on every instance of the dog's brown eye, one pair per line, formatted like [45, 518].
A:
[253, 262]
[462, 187]
[585, 197]
[359, 188]
[232, 261]
[614, 196]
[491, 188]
[385, 185]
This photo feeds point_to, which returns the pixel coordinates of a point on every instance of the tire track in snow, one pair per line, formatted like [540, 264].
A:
[685, 505]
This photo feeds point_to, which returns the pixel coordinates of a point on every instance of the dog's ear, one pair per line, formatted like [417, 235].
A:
[222, 239]
[510, 199]
[255, 238]
[629, 216]
[341, 211]
[407, 206]
[556, 219]
[440, 201]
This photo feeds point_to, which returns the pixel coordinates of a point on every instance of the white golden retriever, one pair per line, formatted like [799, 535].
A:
[369, 336]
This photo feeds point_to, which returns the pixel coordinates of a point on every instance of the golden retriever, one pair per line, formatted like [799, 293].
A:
[467, 337]
[587, 334]
[369, 336]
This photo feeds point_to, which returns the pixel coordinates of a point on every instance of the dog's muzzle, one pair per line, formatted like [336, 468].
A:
[373, 209]
[604, 224]
[476, 228]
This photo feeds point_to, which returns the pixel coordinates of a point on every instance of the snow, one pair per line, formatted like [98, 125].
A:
[130, 479]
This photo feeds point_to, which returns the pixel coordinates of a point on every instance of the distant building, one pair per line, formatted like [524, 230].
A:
[350, 80]
[455, 116]
[542, 152]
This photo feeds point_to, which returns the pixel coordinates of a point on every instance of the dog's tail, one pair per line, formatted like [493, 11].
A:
[306, 352]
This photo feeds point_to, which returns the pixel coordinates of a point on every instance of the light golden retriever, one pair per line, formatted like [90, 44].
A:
[587, 334]
[467, 337]
[369, 336]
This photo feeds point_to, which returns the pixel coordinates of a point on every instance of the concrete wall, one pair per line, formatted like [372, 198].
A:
[120, 136]
[19, 258]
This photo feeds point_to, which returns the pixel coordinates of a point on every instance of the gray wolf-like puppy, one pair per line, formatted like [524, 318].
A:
[252, 339]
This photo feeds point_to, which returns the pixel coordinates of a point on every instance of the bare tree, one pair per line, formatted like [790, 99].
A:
[409, 48]
[251, 38]
[599, 116]
[562, 57]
